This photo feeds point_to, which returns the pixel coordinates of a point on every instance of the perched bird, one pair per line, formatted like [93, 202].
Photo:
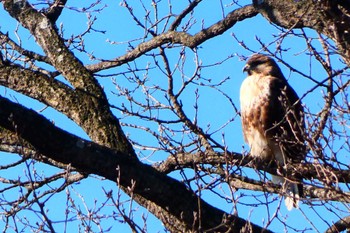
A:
[273, 121]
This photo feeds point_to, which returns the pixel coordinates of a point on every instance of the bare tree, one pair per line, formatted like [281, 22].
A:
[143, 121]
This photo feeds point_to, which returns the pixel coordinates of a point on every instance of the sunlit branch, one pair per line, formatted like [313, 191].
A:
[179, 38]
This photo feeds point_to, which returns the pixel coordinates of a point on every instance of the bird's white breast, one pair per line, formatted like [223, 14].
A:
[250, 96]
[248, 93]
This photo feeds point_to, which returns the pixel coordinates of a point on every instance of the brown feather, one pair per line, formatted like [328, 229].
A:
[272, 115]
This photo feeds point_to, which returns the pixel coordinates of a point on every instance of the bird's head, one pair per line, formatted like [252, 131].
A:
[262, 64]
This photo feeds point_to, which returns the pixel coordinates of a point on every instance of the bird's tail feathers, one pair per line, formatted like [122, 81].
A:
[291, 198]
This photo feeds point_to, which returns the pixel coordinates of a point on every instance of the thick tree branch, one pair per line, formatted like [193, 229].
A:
[55, 10]
[326, 174]
[12, 143]
[93, 111]
[175, 204]
[47, 37]
[42, 88]
[329, 17]
[75, 104]
[340, 226]
[307, 170]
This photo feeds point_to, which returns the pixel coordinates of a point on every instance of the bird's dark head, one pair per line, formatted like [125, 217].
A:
[262, 64]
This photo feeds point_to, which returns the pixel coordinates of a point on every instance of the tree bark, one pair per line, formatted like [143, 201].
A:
[91, 111]
[328, 17]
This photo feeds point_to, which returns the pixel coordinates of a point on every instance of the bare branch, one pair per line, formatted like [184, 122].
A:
[175, 37]
[183, 14]
[4, 39]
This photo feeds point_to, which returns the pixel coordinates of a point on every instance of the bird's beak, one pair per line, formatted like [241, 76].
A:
[246, 68]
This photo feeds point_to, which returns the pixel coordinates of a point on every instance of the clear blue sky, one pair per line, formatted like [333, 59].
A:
[214, 108]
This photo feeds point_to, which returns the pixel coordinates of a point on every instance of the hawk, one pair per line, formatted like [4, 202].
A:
[273, 121]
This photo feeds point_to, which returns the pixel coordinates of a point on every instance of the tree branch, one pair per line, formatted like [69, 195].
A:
[341, 225]
[165, 197]
[94, 102]
[179, 38]
[42, 88]
[4, 38]
[55, 10]
[61, 58]
[12, 143]
[183, 14]
[326, 174]
[328, 17]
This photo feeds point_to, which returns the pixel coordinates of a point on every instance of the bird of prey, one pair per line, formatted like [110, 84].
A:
[273, 121]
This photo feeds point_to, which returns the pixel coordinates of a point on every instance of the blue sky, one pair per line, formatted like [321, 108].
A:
[214, 110]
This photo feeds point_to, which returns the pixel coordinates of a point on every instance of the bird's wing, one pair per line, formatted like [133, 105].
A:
[283, 122]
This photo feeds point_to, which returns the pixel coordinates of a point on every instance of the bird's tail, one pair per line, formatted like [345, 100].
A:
[291, 198]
